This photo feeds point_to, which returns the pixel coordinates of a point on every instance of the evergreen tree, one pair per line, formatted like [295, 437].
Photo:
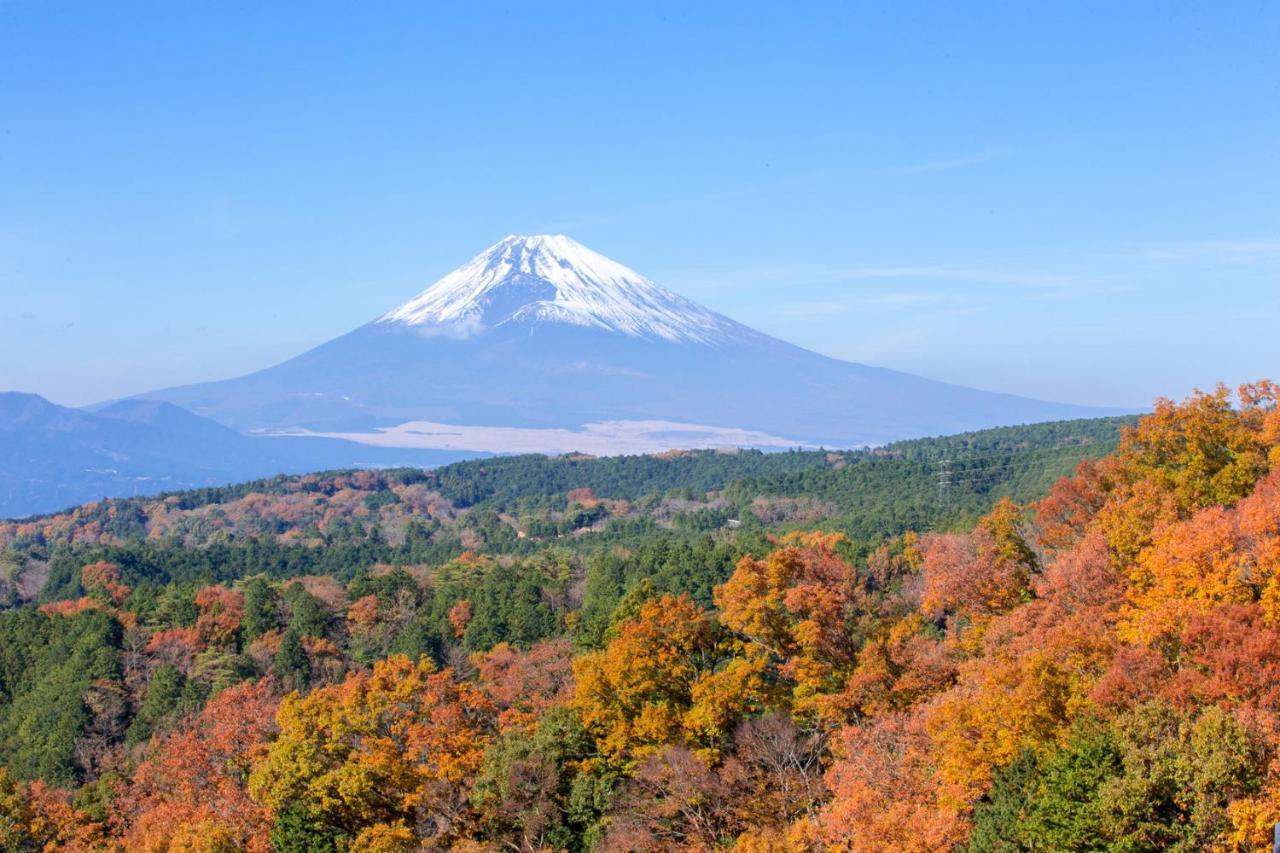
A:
[291, 664]
[261, 611]
[307, 616]
[163, 698]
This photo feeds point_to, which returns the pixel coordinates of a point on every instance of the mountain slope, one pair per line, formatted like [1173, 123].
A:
[540, 333]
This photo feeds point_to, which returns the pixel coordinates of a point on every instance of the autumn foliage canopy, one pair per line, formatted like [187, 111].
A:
[1098, 669]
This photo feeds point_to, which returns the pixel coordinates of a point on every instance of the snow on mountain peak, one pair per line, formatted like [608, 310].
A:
[555, 279]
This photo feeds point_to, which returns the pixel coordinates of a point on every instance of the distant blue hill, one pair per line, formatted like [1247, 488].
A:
[53, 457]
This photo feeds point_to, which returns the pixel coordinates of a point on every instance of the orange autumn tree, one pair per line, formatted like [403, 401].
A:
[524, 685]
[103, 577]
[788, 612]
[1217, 556]
[190, 792]
[980, 574]
[36, 817]
[885, 797]
[383, 755]
[900, 664]
[459, 617]
[903, 658]
[221, 611]
[1182, 458]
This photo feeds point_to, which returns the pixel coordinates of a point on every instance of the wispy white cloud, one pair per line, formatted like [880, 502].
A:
[707, 281]
[818, 309]
[1018, 278]
[1245, 250]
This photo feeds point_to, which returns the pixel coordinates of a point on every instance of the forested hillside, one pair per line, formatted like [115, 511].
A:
[338, 523]
[959, 654]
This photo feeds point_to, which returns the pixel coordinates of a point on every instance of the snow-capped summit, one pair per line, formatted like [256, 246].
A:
[555, 279]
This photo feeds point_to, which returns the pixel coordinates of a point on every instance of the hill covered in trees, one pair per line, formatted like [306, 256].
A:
[340, 522]
[1076, 663]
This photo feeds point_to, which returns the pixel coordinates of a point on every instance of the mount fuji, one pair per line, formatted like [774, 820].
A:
[540, 344]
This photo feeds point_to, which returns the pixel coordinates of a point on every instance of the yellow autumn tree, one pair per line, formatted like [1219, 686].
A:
[632, 695]
[1205, 451]
[379, 752]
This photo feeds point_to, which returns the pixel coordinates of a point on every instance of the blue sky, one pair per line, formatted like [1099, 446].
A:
[1071, 201]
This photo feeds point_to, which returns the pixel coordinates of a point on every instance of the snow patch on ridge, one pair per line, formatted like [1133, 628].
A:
[554, 279]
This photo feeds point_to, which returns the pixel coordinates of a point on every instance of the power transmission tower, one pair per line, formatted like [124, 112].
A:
[944, 479]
